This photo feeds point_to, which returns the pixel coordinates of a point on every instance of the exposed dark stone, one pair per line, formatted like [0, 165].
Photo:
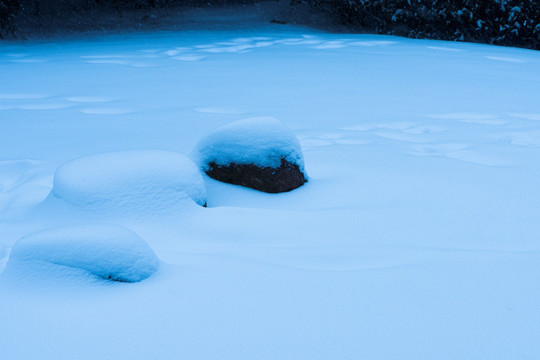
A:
[286, 177]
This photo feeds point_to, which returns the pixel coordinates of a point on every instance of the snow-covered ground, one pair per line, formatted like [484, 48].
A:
[416, 237]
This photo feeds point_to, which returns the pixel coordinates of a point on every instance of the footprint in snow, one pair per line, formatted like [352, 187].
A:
[527, 116]
[15, 172]
[456, 151]
[137, 64]
[106, 111]
[182, 54]
[150, 51]
[251, 39]
[423, 129]
[43, 102]
[189, 57]
[372, 43]
[97, 100]
[4, 256]
[529, 138]
[400, 136]
[45, 106]
[240, 45]
[22, 182]
[107, 56]
[397, 125]
[328, 139]
[299, 41]
[507, 59]
[476, 157]
[89, 99]
[443, 48]
[126, 60]
[400, 131]
[219, 110]
[25, 58]
[437, 149]
[23, 96]
[331, 45]
[471, 118]
[40, 105]
[173, 52]
[315, 142]
[228, 49]
[351, 142]
[17, 55]
[29, 60]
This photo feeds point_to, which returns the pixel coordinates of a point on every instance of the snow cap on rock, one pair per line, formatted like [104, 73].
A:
[261, 141]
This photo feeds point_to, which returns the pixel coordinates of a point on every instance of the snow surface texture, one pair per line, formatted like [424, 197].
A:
[129, 179]
[108, 251]
[415, 238]
[261, 141]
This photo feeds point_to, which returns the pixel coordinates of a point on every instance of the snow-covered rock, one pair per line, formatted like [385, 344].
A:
[108, 251]
[260, 153]
[130, 179]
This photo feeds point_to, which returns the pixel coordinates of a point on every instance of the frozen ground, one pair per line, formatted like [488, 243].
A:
[417, 236]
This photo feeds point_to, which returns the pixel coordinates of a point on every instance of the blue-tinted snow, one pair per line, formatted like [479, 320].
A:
[416, 237]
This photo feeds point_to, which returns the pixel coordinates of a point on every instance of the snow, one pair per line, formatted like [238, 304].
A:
[262, 141]
[110, 252]
[125, 179]
[416, 236]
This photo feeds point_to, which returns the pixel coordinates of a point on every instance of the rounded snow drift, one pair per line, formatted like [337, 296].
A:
[139, 178]
[260, 153]
[110, 252]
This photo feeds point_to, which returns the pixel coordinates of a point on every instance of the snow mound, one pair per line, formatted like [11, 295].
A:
[130, 179]
[261, 141]
[108, 251]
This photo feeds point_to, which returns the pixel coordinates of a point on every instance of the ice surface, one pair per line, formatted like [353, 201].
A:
[129, 179]
[110, 252]
[262, 141]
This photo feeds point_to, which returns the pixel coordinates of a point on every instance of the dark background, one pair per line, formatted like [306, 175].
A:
[501, 22]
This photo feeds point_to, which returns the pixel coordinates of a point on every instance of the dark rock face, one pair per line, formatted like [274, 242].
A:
[286, 177]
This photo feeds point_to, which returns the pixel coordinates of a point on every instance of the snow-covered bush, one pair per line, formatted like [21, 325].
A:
[143, 179]
[110, 252]
[503, 22]
[8, 10]
[261, 153]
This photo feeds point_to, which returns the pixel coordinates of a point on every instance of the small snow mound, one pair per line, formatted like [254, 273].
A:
[108, 251]
[260, 153]
[262, 141]
[139, 179]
